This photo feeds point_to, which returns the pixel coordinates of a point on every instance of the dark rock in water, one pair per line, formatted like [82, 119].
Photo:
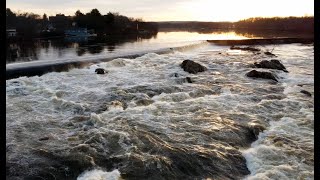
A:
[100, 71]
[189, 80]
[144, 102]
[174, 75]
[306, 93]
[203, 92]
[269, 54]
[272, 64]
[278, 64]
[153, 91]
[273, 96]
[256, 129]
[44, 139]
[263, 75]
[192, 67]
[245, 48]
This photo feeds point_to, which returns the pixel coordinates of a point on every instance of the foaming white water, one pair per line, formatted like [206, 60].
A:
[143, 110]
[282, 152]
[285, 150]
[97, 174]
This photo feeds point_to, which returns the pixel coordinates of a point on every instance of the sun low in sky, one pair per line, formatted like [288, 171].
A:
[168, 10]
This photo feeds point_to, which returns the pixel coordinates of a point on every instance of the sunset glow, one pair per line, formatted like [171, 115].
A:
[180, 10]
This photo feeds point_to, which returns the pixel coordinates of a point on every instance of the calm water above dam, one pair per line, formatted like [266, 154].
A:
[77, 48]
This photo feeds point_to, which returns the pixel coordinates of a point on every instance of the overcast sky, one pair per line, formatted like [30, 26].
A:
[171, 10]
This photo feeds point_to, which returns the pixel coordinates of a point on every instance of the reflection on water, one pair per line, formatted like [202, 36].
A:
[74, 47]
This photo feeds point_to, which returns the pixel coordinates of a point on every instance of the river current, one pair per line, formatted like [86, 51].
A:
[143, 120]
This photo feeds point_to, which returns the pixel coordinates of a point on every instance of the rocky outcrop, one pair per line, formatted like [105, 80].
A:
[100, 71]
[256, 129]
[245, 48]
[144, 102]
[189, 80]
[269, 54]
[272, 64]
[306, 93]
[263, 75]
[192, 67]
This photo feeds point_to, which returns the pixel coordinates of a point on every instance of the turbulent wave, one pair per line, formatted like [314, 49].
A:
[99, 174]
[143, 120]
[40, 67]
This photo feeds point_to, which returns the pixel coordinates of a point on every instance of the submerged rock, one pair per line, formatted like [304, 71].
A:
[272, 64]
[100, 71]
[263, 75]
[256, 128]
[245, 48]
[144, 102]
[189, 80]
[192, 67]
[306, 93]
[154, 90]
[44, 138]
[269, 53]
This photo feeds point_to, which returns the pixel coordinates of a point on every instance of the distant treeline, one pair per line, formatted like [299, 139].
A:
[297, 24]
[305, 24]
[34, 25]
[112, 23]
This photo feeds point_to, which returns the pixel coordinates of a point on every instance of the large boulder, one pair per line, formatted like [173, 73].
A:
[192, 67]
[263, 75]
[272, 64]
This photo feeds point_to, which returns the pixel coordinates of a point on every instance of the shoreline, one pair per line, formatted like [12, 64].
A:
[263, 41]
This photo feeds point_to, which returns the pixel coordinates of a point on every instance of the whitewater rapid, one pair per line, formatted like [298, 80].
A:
[143, 120]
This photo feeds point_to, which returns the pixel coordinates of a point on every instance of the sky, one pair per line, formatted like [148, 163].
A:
[171, 10]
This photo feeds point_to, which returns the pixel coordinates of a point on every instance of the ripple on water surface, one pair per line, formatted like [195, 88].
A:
[144, 120]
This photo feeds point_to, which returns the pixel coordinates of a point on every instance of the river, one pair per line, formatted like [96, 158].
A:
[143, 120]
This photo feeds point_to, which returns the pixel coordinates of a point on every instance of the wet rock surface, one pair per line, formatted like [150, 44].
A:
[245, 48]
[269, 54]
[306, 93]
[189, 80]
[44, 138]
[100, 71]
[144, 102]
[272, 64]
[262, 75]
[192, 67]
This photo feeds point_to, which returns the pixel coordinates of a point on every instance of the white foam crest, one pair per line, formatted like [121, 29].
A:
[285, 149]
[97, 174]
[270, 158]
[55, 94]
